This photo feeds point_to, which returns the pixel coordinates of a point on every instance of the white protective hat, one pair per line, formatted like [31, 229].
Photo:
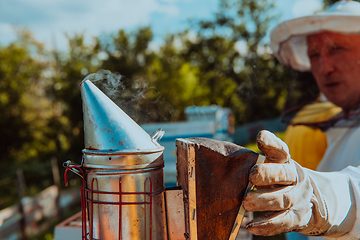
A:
[288, 39]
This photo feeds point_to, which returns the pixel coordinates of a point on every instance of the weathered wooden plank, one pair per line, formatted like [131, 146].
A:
[221, 171]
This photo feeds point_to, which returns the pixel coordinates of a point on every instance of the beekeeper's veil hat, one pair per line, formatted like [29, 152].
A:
[288, 39]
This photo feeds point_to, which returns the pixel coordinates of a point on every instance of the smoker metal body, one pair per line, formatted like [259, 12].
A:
[122, 195]
[124, 198]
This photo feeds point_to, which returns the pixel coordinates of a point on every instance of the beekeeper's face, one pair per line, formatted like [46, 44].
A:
[335, 64]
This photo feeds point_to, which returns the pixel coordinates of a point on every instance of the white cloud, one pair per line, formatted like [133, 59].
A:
[51, 19]
[306, 7]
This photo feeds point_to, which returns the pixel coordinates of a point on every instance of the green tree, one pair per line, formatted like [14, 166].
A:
[69, 69]
[23, 109]
[247, 78]
[128, 54]
[155, 85]
[234, 60]
[175, 82]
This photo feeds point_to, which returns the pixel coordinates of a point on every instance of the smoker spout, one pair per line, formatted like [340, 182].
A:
[107, 127]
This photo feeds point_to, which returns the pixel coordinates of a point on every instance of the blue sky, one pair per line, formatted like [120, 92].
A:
[49, 20]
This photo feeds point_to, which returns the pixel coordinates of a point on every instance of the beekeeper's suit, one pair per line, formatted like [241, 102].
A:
[325, 202]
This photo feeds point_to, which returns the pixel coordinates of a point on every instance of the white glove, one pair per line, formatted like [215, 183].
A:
[302, 200]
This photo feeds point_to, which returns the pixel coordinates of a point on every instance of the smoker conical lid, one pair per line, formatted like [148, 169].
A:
[108, 127]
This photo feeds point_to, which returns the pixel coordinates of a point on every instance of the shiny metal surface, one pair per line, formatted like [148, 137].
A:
[106, 126]
[117, 174]
[134, 221]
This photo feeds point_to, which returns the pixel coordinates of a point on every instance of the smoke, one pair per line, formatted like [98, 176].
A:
[132, 96]
[110, 83]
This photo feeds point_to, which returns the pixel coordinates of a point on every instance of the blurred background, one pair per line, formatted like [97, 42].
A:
[171, 54]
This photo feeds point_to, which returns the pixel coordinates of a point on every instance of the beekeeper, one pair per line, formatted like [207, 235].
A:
[325, 202]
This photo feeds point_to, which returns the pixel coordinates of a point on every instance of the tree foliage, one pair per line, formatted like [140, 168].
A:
[236, 63]
[24, 108]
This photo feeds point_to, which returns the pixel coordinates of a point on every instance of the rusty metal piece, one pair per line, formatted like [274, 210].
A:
[214, 175]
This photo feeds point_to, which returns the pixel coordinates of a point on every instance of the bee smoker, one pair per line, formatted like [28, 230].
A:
[122, 171]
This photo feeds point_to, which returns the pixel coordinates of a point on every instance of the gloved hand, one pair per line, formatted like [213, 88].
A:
[300, 199]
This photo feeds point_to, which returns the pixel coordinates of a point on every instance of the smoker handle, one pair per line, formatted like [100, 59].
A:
[74, 168]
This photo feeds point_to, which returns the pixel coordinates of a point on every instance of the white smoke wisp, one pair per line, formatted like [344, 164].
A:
[129, 95]
[110, 83]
